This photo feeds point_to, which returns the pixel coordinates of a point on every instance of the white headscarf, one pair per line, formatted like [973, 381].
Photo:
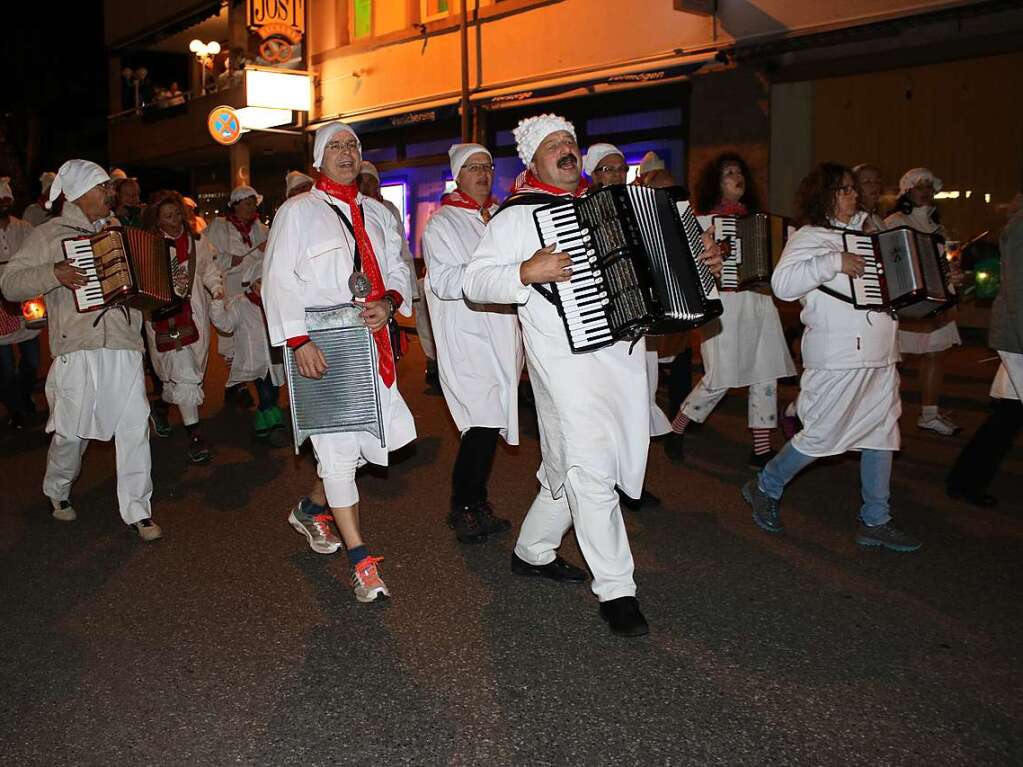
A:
[296, 178]
[75, 178]
[369, 169]
[915, 176]
[240, 193]
[5, 188]
[651, 161]
[323, 137]
[596, 153]
[534, 130]
[47, 180]
[459, 153]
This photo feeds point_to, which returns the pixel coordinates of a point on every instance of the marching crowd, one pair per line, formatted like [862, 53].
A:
[336, 241]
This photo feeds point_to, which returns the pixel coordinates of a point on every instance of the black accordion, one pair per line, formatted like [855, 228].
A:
[905, 271]
[122, 265]
[755, 244]
[636, 265]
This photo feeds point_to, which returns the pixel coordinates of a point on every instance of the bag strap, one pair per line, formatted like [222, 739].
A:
[357, 260]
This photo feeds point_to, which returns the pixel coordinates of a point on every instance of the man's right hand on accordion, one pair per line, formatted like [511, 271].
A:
[546, 265]
[69, 275]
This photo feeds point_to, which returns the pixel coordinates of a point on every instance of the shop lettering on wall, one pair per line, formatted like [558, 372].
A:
[277, 28]
[414, 117]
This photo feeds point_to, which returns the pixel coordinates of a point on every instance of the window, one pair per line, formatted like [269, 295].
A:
[362, 18]
[394, 192]
[430, 10]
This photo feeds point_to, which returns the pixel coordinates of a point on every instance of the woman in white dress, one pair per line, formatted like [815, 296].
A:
[179, 337]
[849, 390]
[929, 338]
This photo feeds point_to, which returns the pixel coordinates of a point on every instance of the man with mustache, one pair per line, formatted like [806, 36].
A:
[321, 245]
[479, 346]
[95, 387]
[592, 408]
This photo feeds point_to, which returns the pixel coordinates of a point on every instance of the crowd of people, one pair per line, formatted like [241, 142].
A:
[336, 241]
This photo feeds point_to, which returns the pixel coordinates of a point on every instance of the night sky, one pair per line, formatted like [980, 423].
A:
[54, 102]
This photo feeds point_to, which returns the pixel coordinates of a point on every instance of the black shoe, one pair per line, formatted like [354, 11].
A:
[466, 524]
[756, 461]
[623, 617]
[972, 497]
[490, 522]
[198, 450]
[158, 420]
[241, 396]
[558, 570]
[646, 500]
[674, 448]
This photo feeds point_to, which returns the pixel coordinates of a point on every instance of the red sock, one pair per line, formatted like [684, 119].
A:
[761, 441]
[680, 423]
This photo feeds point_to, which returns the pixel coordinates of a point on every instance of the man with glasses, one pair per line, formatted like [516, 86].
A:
[330, 247]
[479, 346]
[605, 165]
[95, 387]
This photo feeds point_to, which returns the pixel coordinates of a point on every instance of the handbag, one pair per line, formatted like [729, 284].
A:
[177, 330]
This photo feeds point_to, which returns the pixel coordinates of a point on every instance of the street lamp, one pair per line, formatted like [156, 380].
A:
[205, 53]
[136, 77]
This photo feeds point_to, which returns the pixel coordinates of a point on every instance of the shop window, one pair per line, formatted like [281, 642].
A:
[394, 192]
[362, 19]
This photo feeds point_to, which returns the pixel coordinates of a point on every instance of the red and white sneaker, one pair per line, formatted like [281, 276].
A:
[367, 583]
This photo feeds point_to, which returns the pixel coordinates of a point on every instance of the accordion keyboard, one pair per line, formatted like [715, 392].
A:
[90, 295]
[584, 297]
[866, 289]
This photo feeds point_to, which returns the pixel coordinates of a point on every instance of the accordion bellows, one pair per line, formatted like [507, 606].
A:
[346, 398]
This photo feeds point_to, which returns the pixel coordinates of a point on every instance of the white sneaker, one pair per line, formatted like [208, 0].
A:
[319, 529]
[938, 424]
[367, 583]
[148, 530]
[63, 510]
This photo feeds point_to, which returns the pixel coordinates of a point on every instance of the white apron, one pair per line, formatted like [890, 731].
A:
[479, 346]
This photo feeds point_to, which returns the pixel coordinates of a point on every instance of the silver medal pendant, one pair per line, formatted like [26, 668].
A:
[359, 284]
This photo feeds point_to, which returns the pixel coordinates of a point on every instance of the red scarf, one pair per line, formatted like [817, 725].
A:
[182, 245]
[457, 199]
[348, 193]
[244, 227]
[528, 182]
[729, 208]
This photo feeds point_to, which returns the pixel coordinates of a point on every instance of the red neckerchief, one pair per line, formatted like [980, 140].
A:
[244, 227]
[729, 208]
[528, 182]
[182, 245]
[43, 198]
[349, 193]
[457, 199]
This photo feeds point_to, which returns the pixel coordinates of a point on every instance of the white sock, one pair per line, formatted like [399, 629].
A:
[929, 412]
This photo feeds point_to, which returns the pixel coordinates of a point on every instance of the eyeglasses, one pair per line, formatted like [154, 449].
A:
[611, 169]
[479, 167]
[348, 146]
[845, 189]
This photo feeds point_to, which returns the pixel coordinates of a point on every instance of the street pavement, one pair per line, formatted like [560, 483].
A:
[230, 642]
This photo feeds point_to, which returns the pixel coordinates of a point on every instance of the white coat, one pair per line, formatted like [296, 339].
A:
[479, 346]
[227, 243]
[309, 258]
[182, 370]
[11, 239]
[849, 392]
[252, 360]
[593, 408]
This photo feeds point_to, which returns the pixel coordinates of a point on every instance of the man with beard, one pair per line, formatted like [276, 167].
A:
[95, 387]
[322, 244]
[16, 380]
[479, 346]
[592, 408]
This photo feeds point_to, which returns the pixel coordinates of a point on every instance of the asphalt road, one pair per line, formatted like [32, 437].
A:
[230, 642]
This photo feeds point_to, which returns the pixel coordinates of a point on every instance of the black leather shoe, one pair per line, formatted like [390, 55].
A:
[645, 500]
[623, 617]
[973, 497]
[558, 570]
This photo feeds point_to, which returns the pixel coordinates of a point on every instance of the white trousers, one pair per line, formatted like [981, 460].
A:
[763, 403]
[189, 413]
[134, 464]
[591, 504]
[337, 458]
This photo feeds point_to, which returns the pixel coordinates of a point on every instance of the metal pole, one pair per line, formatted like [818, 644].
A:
[464, 35]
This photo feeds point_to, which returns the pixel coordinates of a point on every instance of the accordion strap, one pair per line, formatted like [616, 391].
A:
[528, 198]
[835, 294]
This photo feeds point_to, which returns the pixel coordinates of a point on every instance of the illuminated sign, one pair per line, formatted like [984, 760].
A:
[278, 27]
[278, 89]
[224, 125]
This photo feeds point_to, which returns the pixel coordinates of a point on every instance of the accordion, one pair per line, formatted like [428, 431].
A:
[346, 398]
[754, 243]
[905, 271]
[122, 265]
[636, 265]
